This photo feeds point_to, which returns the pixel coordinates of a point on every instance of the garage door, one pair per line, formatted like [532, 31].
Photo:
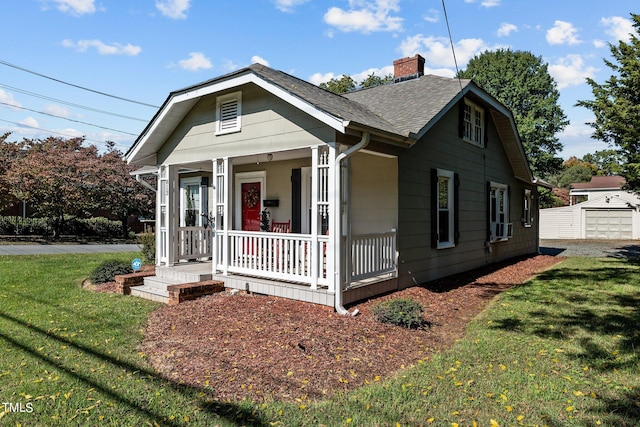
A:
[609, 224]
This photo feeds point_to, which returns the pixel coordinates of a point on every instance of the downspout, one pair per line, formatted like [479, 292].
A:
[338, 220]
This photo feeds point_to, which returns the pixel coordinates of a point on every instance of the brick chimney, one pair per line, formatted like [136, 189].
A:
[408, 68]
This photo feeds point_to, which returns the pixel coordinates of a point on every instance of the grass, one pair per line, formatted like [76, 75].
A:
[561, 350]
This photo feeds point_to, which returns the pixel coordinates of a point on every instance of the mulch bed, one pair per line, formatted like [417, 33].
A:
[261, 348]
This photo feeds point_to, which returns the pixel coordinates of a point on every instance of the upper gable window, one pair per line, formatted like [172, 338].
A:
[473, 123]
[229, 113]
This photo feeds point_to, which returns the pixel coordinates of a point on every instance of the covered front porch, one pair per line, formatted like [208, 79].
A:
[301, 224]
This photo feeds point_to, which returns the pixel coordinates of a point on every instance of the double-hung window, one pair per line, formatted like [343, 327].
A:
[228, 113]
[499, 211]
[473, 123]
[445, 192]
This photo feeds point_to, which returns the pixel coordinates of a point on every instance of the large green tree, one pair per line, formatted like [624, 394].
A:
[339, 85]
[9, 152]
[62, 178]
[521, 81]
[616, 105]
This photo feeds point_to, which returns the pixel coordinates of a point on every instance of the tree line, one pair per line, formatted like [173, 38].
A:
[61, 178]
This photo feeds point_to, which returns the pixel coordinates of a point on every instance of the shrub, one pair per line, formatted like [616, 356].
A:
[107, 271]
[148, 242]
[403, 312]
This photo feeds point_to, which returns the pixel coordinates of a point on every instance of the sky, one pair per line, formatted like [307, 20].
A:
[101, 68]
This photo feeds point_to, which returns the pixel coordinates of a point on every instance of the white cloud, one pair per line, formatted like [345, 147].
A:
[506, 29]
[365, 16]
[229, 65]
[618, 27]
[29, 122]
[599, 43]
[103, 48]
[288, 5]
[7, 98]
[259, 60]
[433, 15]
[57, 110]
[174, 9]
[437, 50]
[75, 7]
[196, 61]
[563, 32]
[380, 72]
[318, 78]
[486, 3]
[571, 71]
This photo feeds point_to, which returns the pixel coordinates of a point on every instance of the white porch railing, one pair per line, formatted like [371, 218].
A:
[373, 255]
[193, 243]
[273, 255]
[287, 256]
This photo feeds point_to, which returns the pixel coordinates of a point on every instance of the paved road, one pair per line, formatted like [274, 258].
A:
[66, 249]
[591, 248]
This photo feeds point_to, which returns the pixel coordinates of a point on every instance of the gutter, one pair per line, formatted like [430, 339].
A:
[366, 137]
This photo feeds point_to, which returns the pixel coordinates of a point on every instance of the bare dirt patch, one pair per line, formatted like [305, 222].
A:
[257, 347]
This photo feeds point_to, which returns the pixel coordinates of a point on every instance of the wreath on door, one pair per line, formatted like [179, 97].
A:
[251, 197]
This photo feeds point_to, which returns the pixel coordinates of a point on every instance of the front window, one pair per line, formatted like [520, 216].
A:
[499, 211]
[473, 126]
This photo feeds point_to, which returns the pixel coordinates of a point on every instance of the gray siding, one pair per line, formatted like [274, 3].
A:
[268, 125]
[442, 148]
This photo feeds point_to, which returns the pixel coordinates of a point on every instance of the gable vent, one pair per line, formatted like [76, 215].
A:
[229, 115]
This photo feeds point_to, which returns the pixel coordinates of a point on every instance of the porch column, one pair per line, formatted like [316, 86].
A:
[172, 213]
[161, 217]
[218, 206]
[214, 215]
[227, 178]
[314, 250]
[335, 234]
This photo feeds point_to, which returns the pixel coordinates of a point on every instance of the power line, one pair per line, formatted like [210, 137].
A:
[75, 85]
[455, 61]
[71, 104]
[66, 118]
[60, 133]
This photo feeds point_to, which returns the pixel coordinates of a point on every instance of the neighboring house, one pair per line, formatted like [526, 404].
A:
[600, 209]
[379, 189]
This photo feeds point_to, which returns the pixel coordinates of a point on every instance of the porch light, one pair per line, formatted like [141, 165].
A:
[269, 157]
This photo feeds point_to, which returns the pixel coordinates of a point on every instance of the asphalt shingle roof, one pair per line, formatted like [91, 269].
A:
[400, 108]
[411, 104]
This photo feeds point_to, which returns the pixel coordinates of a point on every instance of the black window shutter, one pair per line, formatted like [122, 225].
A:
[486, 128]
[296, 200]
[456, 208]
[461, 118]
[434, 208]
[488, 211]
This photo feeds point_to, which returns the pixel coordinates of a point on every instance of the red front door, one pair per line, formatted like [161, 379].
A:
[251, 197]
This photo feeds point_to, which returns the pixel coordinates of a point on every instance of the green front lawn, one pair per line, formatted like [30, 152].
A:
[561, 350]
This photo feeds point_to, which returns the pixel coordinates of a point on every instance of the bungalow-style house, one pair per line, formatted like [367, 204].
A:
[599, 209]
[276, 186]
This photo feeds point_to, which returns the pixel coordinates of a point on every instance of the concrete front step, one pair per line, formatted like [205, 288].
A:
[150, 293]
[160, 283]
[185, 273]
